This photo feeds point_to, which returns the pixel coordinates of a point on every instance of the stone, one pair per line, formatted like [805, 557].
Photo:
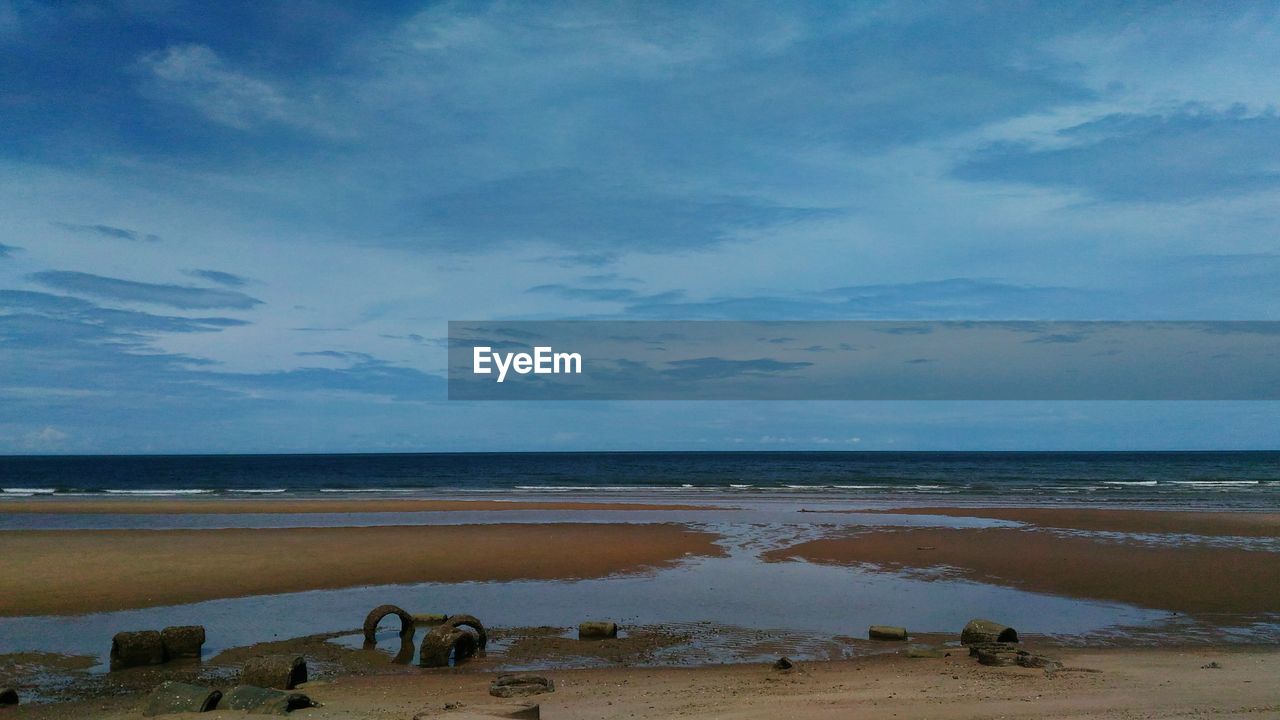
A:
[887, 632]
[505, 686]
[283, 672]
[265, 701]
[176, 697]
[986, 631]
[597, 630]
[182, 641]
[783, 663]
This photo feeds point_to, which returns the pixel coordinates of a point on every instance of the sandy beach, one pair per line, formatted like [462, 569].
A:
[68, 572]
[1095, 685]
[1212, 524]
[1190, 578]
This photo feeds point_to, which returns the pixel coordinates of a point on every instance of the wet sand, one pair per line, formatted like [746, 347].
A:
[230, 506]
[1096, 684]
[1212, 524]
[1192, 579]
[78, 571]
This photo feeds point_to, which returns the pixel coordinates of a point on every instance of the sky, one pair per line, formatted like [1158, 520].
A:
[243, 227]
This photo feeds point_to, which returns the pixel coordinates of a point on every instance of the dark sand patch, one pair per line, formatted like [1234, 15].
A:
[1184, 579]
[56, 572]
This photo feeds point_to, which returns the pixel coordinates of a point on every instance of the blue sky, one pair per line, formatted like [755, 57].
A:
[243, 227]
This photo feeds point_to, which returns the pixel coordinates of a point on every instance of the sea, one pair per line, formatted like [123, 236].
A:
[1193, 480]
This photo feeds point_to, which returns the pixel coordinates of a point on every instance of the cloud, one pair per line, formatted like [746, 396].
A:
[178, 296]
[1191, 154]
[109, 231]
[45, 315]
[217, 276]
[8, 250]
[603, 294]
[195, 76]
[715, 368]
[573, 209]
[955, 298]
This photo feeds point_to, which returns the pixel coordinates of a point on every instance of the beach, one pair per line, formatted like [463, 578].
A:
[1136, 605]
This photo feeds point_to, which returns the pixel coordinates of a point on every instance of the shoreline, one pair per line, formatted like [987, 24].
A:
[232, 506]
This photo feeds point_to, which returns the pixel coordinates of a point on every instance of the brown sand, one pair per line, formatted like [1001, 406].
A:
[1100, 685]
[1185, 579]
[226, 506]
[1218, 524]
[66, 572]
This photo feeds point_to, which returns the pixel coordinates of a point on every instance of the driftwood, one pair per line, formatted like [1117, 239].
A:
[444, 644]
[175, 697]
[133, 649]
[886, 632]
[284, 672]
[8, 696]
[457, 621]
[262, 701]
[986, 631]
[597, 630]
[375, 616]
[506, 686]
[182, 641]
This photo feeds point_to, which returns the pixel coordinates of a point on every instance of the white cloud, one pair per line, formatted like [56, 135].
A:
[194, 75]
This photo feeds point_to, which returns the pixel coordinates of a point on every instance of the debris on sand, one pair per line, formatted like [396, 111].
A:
[260, 700]
[506, 686]
[135, 649]
[284, 672]
[887, 632]
[597, 630]
[182, 641]
[176, 697]
[783, 663]
[987, 631]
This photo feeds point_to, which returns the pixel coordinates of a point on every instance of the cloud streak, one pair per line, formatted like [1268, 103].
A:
[182, 297]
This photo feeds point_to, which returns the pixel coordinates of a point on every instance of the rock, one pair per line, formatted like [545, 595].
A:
[175, 697]
[505, 686]
[134, 649]
[519, 711]
[265, 701]
[1211, 666]
[1029, 660]
[886, 632]
[182, 641]
[597, 630]
[8, 696]
[918, 651]
[284, 672]
[987, 631]
[783, 663]
[445, 644]
[997, 657]
[375, 616]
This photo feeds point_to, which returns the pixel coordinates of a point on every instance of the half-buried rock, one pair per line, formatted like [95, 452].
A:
[887, 632]
[446, 645]
[265, 701]
[182, 641]
[134, 649]
[597, 630]
[284, 672]
[506, 686]
[176, 697]
[8, 696]
[986, 631]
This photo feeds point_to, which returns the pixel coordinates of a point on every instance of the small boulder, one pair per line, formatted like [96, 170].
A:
[182, 641]
[783, 663]
[987, 631]
[506, 686]
[283, 672]
[134, 649]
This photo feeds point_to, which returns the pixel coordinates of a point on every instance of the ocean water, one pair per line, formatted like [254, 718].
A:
[1238, 480]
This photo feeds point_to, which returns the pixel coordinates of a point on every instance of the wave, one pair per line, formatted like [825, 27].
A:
[1141, 483]
[174, 491]
[28, 491]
